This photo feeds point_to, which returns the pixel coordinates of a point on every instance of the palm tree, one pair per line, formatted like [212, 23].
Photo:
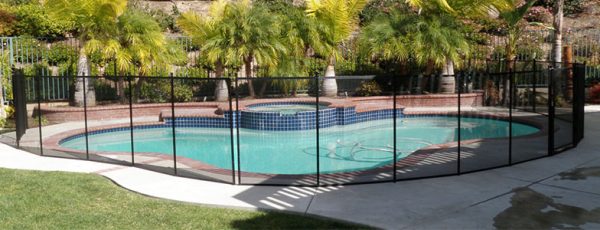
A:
[512, 17]
[139, 43]
[428, 39]
[462, 9]
[95, 20]
[336, 20]
[234, 33]
[299, 35]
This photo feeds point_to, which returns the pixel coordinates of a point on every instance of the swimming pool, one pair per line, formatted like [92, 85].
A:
[343, 148]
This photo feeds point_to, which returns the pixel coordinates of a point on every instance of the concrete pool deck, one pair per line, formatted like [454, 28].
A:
[559, 191]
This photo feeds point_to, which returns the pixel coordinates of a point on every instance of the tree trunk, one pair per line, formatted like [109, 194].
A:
[558, 24]
[248, 67]
[83, 69]
[121, 90]
[557, 47]
[330, 88]
[447, 80]
[263, 88]
[221, 90]
[427, 77]
[138, 89]
[510, 66]
[568, 60]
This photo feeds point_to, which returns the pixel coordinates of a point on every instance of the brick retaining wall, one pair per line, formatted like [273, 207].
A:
[111, 112]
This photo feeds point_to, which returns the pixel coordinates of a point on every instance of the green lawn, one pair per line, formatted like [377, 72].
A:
[58, 200]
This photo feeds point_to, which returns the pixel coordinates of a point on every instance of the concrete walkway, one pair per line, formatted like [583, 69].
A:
[557, 192]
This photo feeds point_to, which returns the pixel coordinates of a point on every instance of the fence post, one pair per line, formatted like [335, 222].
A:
[394, 89]
[85, 118]
[20, 103]
[237, 128]
[39, 111]
[231, 127]
[173, 120]
[131, 119]
[511, 102]
[551, 112]
[578, 102]
[534, 86]
[458, 155]
[317, 130]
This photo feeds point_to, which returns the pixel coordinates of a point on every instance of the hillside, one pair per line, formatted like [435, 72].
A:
[589, 19]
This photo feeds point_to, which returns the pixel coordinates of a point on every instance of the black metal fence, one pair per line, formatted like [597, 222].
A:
[292, 131]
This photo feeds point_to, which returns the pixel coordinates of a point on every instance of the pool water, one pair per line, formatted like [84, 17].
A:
[345, 148]
[284, 108]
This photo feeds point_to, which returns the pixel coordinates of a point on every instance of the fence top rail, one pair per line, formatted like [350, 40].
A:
[132, 77]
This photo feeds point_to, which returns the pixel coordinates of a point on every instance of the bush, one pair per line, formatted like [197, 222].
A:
[539, 14]
[368, 88]
[166, 21]
[37, 69]
[7, 21]
[61, 53]
[376, 7]
[182, 92]
[159, 91]
[572, 7]
[67, 68]
[105, 91]
[595, 93]
[10, 112]
[32, 19]
[5, 73]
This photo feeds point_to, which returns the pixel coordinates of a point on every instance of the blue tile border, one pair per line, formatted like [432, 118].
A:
[275, 121]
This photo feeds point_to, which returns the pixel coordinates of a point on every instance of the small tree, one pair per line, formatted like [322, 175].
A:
[234, 33]
[512, 17]
[95, 20]
[139, 45]
[335, 20]
[428, 39]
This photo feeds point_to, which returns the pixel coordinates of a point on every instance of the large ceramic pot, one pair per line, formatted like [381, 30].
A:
[447, 82]
[329, 88]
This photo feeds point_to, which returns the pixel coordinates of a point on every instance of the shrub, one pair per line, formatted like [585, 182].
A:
[376, 7]
[9, 111]
[37, 69]
[5, 73]
[67, 69]
[182, 92]
[368, 88]
[539, 14]
[572, 7]
[595, 92]
[166, 21]
[7, 22]
[105, 91]
[159, 91]
[32, 19]
[61, 53]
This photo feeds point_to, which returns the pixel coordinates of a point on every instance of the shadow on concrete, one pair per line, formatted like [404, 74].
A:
[533, 210]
